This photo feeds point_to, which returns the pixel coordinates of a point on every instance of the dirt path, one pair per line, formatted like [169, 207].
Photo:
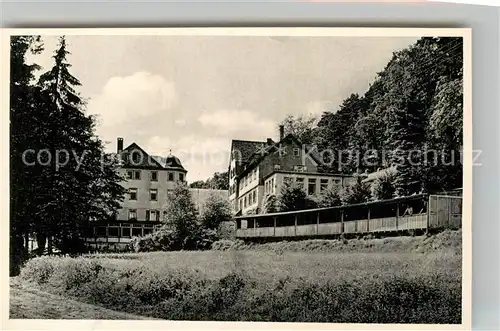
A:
[31, 303]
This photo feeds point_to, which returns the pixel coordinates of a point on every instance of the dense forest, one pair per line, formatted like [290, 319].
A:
[409, 118]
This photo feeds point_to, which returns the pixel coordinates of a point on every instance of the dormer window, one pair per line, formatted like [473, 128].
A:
[296, 152]
[277, 167]
[299, 168]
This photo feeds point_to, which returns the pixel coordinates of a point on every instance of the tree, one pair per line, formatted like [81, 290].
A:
[269, 204]
[292, 197]
[82, 181]
[216, 211]
[181, 213]
[24, 120]
[329, 198]
[301, 127]
[383, 187]
[219, 181]
[357, 192]
[334, 133]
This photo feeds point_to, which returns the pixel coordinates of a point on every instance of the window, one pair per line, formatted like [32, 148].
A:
[300, 181]
[323, 185]
[130, 174]
[126, 232]
[136, 232]
[181, 177]
[165, 215]
[311, 188]
[254, 196]
[136, 157]
[147, 231]
[137, 175]
[153, 194]
[299, 168]
[272, 185]
[170, 177]
[241, 203]
[101, 231]
[336, 182]
[113, 231]
[152, 215]
[287, 180]
[132, 194]
[296, 152]
[245, 201]
[154, 176]
[132, 214]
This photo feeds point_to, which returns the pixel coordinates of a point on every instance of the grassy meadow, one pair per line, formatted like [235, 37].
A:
[263, 285]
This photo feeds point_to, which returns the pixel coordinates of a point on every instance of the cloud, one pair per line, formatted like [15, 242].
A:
[126, 99]
[200, 155]
[239, 123]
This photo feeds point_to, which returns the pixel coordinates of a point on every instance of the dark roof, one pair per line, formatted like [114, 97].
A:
[169, 162]
[259, 155]
[245, 149]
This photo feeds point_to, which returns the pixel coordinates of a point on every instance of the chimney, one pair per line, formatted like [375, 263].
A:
[269, 141]
[119, 145]
[282, 132]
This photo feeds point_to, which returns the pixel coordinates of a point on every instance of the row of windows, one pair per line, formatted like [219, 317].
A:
[269, 187]
[151, 215]
[137, 174]
[312, 183]
[250, 177]
[248, 199]
[153, 194]
[124, 232]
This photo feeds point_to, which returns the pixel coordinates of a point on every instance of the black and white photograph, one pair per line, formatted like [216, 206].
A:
[305, 175]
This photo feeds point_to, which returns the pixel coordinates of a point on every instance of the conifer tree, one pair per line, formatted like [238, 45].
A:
[24, 134]
[83, 182]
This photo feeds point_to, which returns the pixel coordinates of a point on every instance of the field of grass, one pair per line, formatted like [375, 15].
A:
[263, 285]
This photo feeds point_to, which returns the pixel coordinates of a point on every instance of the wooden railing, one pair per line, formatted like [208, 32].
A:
[438, 212]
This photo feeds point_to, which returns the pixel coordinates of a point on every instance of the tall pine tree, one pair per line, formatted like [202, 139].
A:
[84, 182]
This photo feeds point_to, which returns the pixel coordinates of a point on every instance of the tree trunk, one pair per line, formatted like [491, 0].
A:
[50, 245]
[41, 240]
[16, 254]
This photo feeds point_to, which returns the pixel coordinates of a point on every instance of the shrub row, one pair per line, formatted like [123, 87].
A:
[176, 294]
[446, 240]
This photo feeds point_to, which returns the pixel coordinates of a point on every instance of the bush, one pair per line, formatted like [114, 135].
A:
[383, 188]
[357, 192]
[292, 197]
[329, 198]
[216, 211]
[351, 294]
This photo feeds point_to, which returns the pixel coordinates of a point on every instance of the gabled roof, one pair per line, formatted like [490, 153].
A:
[245, 149]
[259, 155]
[170, 162]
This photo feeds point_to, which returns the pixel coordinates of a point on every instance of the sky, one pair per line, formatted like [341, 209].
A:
[194, 94]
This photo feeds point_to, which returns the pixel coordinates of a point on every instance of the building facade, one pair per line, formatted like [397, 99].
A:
[259, 169]
[149, 181]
